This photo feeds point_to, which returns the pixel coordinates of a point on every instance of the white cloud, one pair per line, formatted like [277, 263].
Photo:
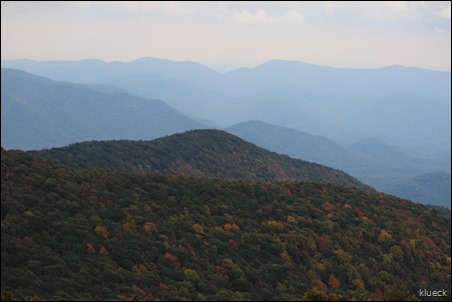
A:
[400, 6]
[261, 17]
[328, 7]
[445, 11]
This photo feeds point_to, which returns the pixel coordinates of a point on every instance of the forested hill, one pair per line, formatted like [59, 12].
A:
[40, 113]
[93, 234]
[207, 153]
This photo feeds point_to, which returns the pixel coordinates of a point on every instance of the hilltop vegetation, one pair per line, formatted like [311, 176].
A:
[207, 153]
[93, 234]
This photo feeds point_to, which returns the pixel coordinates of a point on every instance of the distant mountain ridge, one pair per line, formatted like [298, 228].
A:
[205, 153]
[40, 113]
[372, 160]
[425, 188]
[402, 105]
[263, 75]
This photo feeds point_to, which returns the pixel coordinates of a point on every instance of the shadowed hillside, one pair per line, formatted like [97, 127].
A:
[208, 153]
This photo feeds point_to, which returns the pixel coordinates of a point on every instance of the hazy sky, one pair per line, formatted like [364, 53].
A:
[228, 35]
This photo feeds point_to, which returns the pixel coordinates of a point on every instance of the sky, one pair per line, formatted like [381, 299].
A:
[229, 35]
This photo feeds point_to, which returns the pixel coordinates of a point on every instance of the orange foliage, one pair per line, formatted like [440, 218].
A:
[328, 206]
[149, 227]
[90, 248]
[334, 282]
[140, 267]
[102, 250]
[172, 260]
[291, 219]
[198, 229]
[319, 283]
[101, 230]
[405, 245]
[229, 227]
[384, 235]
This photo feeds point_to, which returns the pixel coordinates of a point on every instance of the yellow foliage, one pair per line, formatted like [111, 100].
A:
[384, 235]
[275, 224]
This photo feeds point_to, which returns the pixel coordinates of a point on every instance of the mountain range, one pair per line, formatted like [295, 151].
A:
[131, 198]
[408, 107]
[40, 113]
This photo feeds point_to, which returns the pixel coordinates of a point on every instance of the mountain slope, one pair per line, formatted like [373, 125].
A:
[371, 161]
[208, 153]
[92, 234]
[432, 188]
[40, 113]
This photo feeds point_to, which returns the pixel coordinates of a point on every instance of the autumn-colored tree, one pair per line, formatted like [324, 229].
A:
[384, 235]
[150, 227]
[198, 229]
[102, 230]
[171, 259]
[334, 282]
[318, 294]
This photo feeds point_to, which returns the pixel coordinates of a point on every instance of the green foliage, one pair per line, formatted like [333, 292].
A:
[205, 153]
[93, 234]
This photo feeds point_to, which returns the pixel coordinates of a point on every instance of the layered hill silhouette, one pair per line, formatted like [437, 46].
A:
[207, 153]
[96, 234]
[372, 161]
[424, 188]
[405, 106]
[40, 113]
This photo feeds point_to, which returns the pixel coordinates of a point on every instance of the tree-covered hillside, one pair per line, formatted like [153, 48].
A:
[207, 153]
[93, 234]
[40, 113]
[425, 188]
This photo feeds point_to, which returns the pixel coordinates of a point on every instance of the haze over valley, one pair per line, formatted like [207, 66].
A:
[225, 150]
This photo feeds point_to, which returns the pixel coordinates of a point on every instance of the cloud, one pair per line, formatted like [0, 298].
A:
[400, 6]
[261, 17]
[445, 12]
[328, 7]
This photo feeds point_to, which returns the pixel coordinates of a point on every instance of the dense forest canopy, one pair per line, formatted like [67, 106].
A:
[206, 153]
[94, 234]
